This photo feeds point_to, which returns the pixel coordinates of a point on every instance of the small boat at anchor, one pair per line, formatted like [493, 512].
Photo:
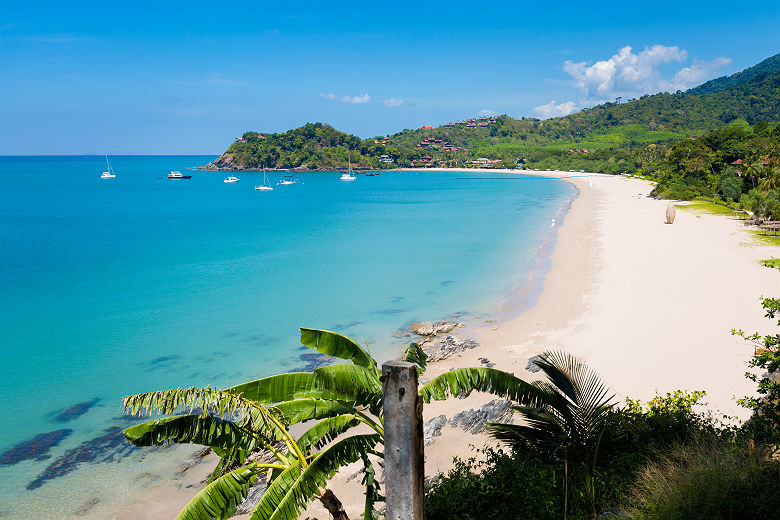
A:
[288, 179]
[231, 179]
[348, 176]
[109, 173]
[265, 186]
[178, 175]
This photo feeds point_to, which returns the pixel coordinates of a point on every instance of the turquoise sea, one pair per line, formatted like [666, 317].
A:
[113, 287]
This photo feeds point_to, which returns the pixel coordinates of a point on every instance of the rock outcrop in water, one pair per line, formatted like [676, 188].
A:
[226, 161]
[75, 411]
[36, 448]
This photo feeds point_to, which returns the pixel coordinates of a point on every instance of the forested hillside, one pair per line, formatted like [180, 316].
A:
[638, 136]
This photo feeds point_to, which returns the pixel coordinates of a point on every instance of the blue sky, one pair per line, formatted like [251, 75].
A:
[147, 78]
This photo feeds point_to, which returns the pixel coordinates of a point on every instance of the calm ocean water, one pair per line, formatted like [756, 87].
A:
[113, 287]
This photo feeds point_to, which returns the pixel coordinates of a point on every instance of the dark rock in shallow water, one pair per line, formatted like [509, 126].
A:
[163, 359]
[313, 360]
[35, 448]
[77, 410]
[113, 446]
[86, 506]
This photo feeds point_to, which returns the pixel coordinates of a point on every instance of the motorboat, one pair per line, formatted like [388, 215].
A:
[231, 179]
[288, 179]
[178, 175]
[109, 173]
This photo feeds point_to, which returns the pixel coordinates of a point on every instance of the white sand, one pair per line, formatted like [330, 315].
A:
[648, 305]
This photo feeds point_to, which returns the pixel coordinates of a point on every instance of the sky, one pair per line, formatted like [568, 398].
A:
[189, 77]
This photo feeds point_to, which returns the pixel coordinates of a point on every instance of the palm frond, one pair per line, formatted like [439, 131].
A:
[414, 354]
[337, 345]
[308, 409]
[325, 431]
[220, 499]
[230, 441]
[294, 488]
[208, 431]
[466, 380]
[277, 388]
[208, 402]
[361, 384]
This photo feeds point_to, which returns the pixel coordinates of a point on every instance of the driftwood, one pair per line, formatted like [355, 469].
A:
[670, 213]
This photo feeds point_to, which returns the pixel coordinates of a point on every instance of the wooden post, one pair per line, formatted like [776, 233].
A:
[404, 455]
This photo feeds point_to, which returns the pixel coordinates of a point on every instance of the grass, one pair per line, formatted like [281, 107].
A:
[762, 238]
[706, 206]
[772, 262]
[708, 481]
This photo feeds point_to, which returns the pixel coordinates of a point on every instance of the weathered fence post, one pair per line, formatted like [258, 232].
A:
[404, 456]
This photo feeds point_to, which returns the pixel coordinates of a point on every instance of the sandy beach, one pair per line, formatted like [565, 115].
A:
[648, 305]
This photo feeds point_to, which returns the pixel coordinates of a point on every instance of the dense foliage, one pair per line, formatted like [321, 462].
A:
[633, 136]
[524, 483]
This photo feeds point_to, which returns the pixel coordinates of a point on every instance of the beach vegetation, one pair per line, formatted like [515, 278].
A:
[567, 426]
[507, 484]
[764, 424]
[707, 480]
[248, 426]
[771, 262]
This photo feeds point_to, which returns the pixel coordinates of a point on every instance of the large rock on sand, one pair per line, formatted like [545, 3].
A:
[670, 213]
[427, 328]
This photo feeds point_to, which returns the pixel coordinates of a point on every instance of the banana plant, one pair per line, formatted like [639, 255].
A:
[255, 416]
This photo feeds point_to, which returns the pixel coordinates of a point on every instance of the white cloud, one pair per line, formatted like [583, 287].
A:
[353, 100]
[485, 112]
[552, 110]
[356, 100]
[393, 102]
[696, 74]
[625, 73]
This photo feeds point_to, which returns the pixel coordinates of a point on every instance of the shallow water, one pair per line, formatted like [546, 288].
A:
[113, 287]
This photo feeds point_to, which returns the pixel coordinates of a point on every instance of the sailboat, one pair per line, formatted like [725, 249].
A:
[348, 176]
[265, 186]
[109, 173]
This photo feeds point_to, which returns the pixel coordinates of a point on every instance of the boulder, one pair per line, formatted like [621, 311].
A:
[427, 328]
[473, 421]
[433, 428]
[670, 213]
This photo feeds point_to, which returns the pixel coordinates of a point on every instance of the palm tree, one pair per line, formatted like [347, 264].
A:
[772, 179]
[566, 422]
[240, 421]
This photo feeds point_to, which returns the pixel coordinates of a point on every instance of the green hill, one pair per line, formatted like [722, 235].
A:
[609, 138]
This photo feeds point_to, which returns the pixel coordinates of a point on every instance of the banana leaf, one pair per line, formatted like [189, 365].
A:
[295, 487]
[220, 499]
[337, 345]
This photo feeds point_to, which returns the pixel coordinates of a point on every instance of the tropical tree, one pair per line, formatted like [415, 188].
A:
[240, 422]
[566, 420]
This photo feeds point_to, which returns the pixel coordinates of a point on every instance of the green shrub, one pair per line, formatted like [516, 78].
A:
[500, 486]
[708, 480]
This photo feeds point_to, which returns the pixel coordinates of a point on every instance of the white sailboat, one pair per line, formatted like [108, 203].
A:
[109, 173]
[348, 176]
[265, 186]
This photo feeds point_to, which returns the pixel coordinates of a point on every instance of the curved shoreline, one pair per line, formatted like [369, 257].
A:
[606, 299]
